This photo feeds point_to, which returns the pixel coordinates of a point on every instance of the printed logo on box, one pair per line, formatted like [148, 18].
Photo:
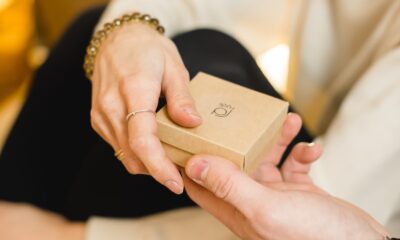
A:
[223, 110]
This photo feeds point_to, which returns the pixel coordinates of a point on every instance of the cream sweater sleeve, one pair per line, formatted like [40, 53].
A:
[184, 224]
[175, 15]
[258, 24]
[362, 144]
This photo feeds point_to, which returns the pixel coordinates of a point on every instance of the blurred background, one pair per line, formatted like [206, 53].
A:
[28, 28]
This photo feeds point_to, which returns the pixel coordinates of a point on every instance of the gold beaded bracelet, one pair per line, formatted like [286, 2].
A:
[102, 34]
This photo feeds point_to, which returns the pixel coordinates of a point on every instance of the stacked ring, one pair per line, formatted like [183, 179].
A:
[119, 155]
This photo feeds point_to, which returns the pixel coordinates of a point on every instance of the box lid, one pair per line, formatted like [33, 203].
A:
[234, 119]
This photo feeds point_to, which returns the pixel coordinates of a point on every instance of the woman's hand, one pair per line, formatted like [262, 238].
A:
[283, 204]
[22, 222]
[134, 66]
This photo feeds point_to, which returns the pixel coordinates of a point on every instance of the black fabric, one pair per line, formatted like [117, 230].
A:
[53, 158]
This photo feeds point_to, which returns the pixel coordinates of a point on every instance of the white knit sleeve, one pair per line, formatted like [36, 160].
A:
[184, 224]
[258, 24]
[175, 15]
[361, 159]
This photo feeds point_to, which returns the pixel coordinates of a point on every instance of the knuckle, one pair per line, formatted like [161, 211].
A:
[128, 83]
[94, 117]
[137, 144]
[182, 98]
[156, 172]
[132, 168]
[124, 84]
[107, 104]
[138, 83]
[223, 186]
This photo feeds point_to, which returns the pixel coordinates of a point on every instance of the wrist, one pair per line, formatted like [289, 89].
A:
[108, 28]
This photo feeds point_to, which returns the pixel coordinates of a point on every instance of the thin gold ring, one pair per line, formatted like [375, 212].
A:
[120, 155]
[134, 113]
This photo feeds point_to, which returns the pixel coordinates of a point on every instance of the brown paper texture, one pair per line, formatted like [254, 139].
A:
[239, 124]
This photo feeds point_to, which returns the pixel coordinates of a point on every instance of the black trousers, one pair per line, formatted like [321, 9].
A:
[53, 158]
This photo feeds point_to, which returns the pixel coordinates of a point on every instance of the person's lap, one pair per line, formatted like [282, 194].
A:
[54, 159]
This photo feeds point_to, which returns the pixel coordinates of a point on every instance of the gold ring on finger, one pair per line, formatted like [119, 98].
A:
[134, 113]
[120, 155]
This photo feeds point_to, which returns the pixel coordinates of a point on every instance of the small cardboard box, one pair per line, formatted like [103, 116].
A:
[239, 124]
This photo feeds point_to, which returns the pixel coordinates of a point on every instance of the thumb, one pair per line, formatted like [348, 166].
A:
[225, 180]
[180, 104]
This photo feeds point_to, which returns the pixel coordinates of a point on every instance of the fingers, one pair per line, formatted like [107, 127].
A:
[298, 163]
[220, 209]
[290, 129]
[226, 182]
[107, 119]
[118, 123]
[109, 131]
[128, 75]
[267, 170]
[142, 128]
[180, 104]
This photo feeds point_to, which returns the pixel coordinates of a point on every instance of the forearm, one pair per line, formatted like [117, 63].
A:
[361, 146]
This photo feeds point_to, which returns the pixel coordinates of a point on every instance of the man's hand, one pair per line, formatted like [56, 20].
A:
[283, 204]
[25, 222]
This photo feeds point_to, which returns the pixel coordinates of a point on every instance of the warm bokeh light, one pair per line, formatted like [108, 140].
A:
[16, 38]
[4, 4]
[274, 63]
[16, 26]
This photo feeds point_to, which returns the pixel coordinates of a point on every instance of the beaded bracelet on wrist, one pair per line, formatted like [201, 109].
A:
[102, 34]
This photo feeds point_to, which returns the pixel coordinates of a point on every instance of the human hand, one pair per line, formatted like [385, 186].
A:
[284, 204]
[134, 66]
[23, 221]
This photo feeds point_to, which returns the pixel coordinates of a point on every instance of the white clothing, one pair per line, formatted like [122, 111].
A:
[344, 77]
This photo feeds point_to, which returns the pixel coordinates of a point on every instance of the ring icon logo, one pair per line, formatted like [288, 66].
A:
[223, 110]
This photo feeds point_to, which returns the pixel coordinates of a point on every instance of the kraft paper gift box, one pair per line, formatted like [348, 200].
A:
[239, 124]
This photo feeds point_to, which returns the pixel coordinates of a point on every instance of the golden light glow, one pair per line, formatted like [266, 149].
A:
[16, 35]
[16, 26]
[274, 63]
[4, 4]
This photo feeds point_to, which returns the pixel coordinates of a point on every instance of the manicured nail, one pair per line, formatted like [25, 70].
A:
[311, 144]
[199, 170]
[192, 112]
[174, 186]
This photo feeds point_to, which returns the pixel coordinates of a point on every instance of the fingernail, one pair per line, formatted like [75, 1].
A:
[174, 186]
[193, 113]
[311, 144]
[199, 170]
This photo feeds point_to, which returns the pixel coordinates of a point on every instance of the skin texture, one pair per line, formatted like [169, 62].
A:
[276, 203]
[273, 204]
[134, 67]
